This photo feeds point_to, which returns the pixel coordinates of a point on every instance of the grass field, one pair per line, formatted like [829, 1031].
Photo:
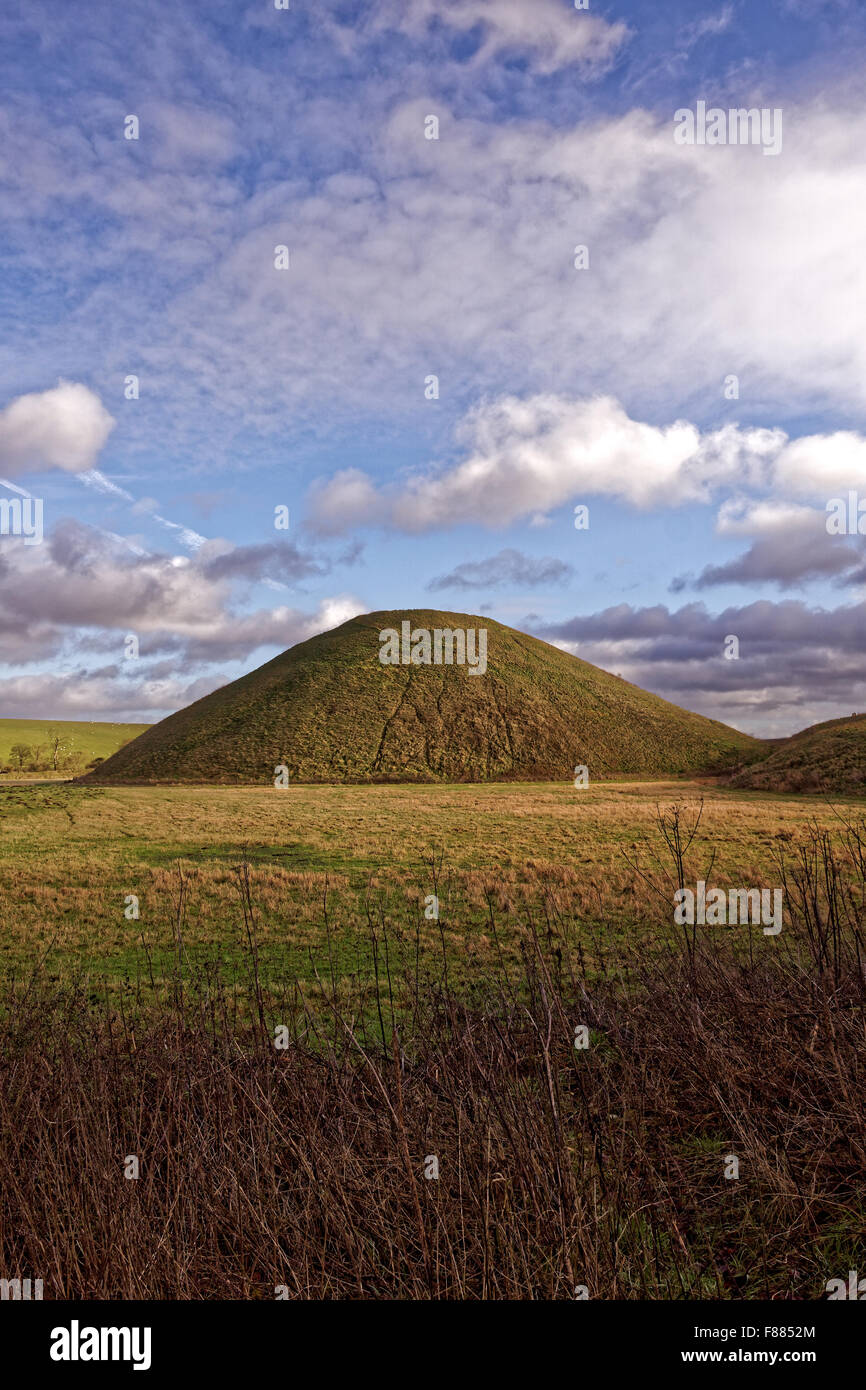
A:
[71, 856]
[94, 740]
[153, 1032]
[303, 1164]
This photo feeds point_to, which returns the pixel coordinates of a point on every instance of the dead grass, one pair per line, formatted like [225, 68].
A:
[559, 1168]
[69, 857]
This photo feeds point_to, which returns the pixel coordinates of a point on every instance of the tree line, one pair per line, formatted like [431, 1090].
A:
[57, 753]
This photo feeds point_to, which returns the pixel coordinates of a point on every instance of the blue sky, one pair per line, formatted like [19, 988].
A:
[409, 258]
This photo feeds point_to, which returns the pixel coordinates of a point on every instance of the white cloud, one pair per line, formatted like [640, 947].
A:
[741, 517]
[331, 612]
[186, 134]
[64, 427]
[79, 694]
[822, 465]
[703, 262]
[555, 34]
[85, 578]
[710, 25]
[346, 500]
[790, 545]
[528, 456]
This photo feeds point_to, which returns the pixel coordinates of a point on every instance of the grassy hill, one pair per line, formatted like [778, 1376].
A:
[828, 757]
[331, 712]
[93, 740]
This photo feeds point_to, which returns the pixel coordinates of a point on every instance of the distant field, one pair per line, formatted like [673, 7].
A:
[326, 861]
[94, 740]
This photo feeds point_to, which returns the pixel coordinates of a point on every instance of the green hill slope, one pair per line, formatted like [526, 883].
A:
[331, 712]
[92, 740]
[829, 757]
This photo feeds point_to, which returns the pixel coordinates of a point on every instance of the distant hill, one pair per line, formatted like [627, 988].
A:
[828, 757]
[91, 740]
[332, 712]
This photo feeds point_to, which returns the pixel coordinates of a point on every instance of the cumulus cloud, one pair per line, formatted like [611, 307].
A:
[791, 545]
[509, 567]
[237, 635]
[340, 503]
[527, 456]
[151, 688]
[87, 579]
[821, 465]
[65, 427]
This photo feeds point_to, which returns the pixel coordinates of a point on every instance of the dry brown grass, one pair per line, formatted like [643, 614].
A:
[558, 1167]
[69, 857]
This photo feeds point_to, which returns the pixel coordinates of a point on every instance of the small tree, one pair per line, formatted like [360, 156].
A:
[56, 747]
[22, 753]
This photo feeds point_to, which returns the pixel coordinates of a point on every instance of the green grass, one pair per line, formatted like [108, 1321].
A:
[329, 711]
[689, 1060]
[71, 854]
[828, 757]
[94, 740]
